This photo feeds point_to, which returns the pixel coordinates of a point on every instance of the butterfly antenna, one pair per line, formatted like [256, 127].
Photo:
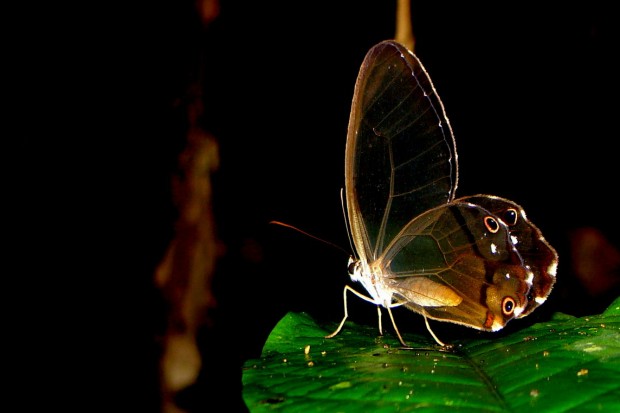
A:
[346, 223]
[282, 224]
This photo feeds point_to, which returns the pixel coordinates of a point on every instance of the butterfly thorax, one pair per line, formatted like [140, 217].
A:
[373, 280]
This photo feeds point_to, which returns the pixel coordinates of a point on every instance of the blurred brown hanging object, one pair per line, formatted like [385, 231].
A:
[185, 274]
[404, 26]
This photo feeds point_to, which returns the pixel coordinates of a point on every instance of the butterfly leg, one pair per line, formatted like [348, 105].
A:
[400, 338]
[379, 318]
[346, 311]
[428, 327]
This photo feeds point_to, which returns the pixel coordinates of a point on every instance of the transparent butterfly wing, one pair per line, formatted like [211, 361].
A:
[400, 156]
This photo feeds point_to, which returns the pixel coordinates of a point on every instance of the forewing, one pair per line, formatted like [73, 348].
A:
[400, 156]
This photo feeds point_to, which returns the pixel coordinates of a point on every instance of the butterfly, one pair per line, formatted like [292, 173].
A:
[476, 261]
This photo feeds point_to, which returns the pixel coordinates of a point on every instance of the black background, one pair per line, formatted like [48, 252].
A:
[530, 90]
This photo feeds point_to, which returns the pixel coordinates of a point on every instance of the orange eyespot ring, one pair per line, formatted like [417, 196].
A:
[508, 306]
[491, 224]
[510, 217]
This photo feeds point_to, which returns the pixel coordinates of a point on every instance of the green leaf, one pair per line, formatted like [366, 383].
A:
[565, 364]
